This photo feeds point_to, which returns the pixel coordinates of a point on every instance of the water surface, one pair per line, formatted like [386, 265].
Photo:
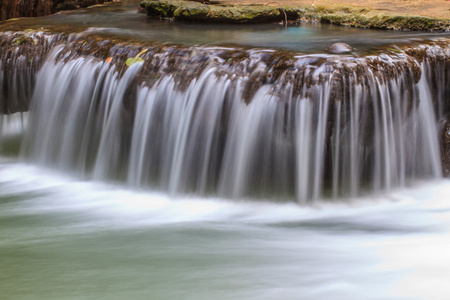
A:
[123, 20]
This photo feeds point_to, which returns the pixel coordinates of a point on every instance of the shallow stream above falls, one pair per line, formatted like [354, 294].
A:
[123, 21]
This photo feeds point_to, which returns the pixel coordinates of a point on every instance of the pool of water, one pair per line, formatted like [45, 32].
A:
[62, 238]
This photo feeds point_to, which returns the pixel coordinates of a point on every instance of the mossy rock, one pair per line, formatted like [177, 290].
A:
[162, 9]
[386, 22]
[194, 11]
[339, 15]
[235, 14]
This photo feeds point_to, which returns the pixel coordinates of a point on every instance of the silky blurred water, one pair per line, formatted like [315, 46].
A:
[62, 238]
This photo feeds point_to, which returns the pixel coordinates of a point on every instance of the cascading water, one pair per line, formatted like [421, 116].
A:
[92, 151]
[306, 127]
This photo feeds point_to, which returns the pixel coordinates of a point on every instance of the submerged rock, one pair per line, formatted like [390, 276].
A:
[340, 48]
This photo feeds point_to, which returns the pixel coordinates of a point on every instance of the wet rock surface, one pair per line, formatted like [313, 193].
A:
[340, 48]
[445, 148]
[26, 51]
[21, 54]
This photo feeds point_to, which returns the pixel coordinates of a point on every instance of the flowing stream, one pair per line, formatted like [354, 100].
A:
[214, 171]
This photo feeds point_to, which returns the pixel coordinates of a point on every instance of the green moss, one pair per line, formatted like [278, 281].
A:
[193, 11]
[162, 9]
[321, 9]
[385, 22]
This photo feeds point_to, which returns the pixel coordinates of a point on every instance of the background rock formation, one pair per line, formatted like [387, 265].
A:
[35, 8]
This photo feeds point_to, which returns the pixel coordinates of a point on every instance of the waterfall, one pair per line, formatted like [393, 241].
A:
[240, 123]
